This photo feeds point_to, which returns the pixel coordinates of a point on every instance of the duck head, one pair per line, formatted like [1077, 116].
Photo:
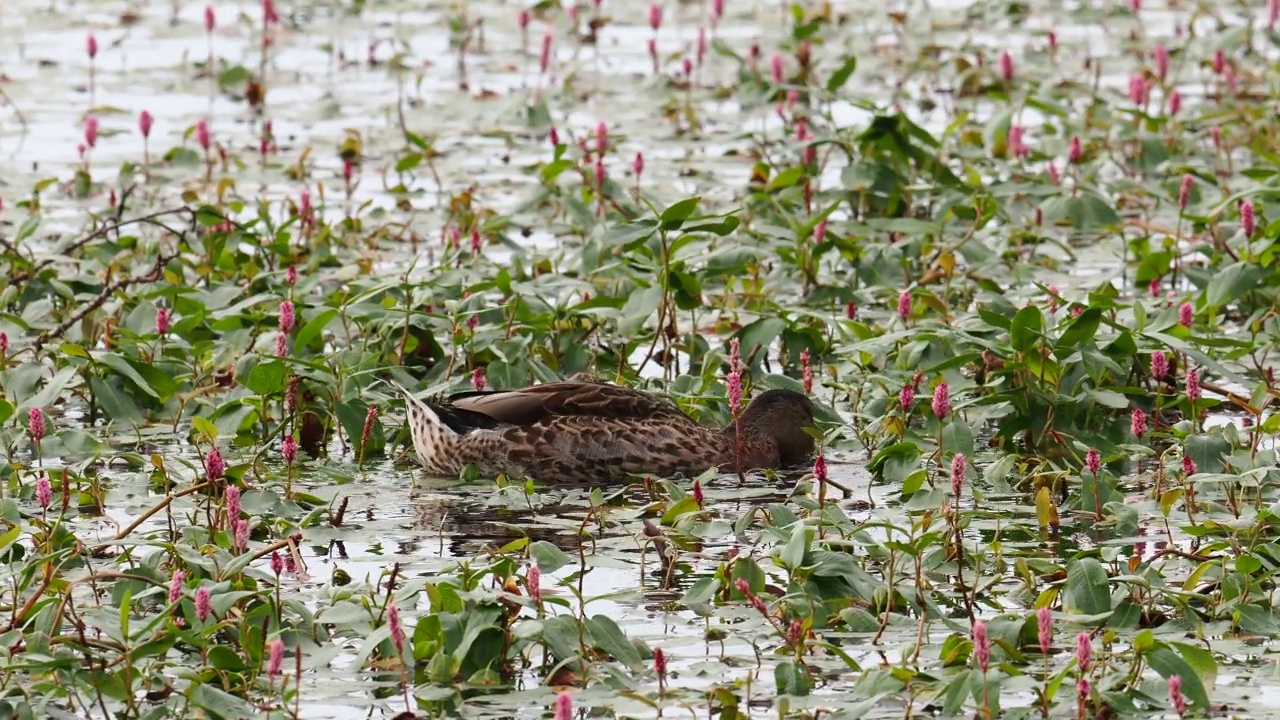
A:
[778, 418]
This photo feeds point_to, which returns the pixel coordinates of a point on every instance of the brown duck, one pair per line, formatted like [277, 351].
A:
[586, 431]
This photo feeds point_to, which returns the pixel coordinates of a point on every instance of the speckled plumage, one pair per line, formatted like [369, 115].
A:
[585, 431]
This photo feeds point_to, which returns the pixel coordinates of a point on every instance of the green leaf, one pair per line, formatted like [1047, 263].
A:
[1027, 327]
[842, 74]
[610, 638]
[1168, 663]
[673, 217]
[314, 327]
[1230, 283]
[1081, 330]
[222, 657]
[631, 232]
[549, 557]
[127, 371]
[792, 678]
[267, 378]
[1087, 592]
[792, 554]
[787, 178]
[221, 704]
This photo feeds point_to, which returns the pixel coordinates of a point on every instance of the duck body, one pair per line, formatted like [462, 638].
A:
[585, 431]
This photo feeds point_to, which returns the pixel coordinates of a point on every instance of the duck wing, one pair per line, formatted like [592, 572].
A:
[536, 403]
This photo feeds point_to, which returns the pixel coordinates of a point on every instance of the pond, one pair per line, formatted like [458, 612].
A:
[1019, 255]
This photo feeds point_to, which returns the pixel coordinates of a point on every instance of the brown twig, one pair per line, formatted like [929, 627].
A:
[100, 232]
[102, 298]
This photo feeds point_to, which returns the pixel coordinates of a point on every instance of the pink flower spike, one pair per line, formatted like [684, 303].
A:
[1017, 147]
[564, 706]
[202, 134]
[698, 496]
[637, 165]
[275, 657]
[544, 58]
[289, 449]
[1093, 461]
[162, 321]
[44, 492]
[1159, 365]
[1175, 103]
[1161, 57]
[659, 662]
[1219, 61]
[1273, 13]
[820, 469]
[942, 400]
[1006, 65]
[233, 502]
[397, 630]
[655, 16]
[1247, 221]
[1137, 89]
[1138, 423]
[1184, 191]
[1044, 626]
[957, 473]
[1084, 651]
[1193, 385]
[1185, 314]
[287, 318]
[734, 381]
[1074, 150]
[36, 424]
[204, 603]
[210, 20]
[91, 46]
[602, 137]
[175, 585]
[291, 275]
[981, 645]
[533, 582]
[214, 466]
[477, 379]
[144, 123]
[241, 531]
[1175, 695]
[776, 68]
[906, 397]
[1188, 465]
[91, 131]
[904, 305]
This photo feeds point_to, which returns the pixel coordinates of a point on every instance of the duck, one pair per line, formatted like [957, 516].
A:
[581, 432]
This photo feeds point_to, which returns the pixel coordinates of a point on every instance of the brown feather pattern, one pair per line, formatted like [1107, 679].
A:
[586, 431]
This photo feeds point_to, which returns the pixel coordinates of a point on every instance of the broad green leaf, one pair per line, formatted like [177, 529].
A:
[1087, 591]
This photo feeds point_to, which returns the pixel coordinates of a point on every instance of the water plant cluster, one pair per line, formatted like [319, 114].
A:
[1030, 288]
